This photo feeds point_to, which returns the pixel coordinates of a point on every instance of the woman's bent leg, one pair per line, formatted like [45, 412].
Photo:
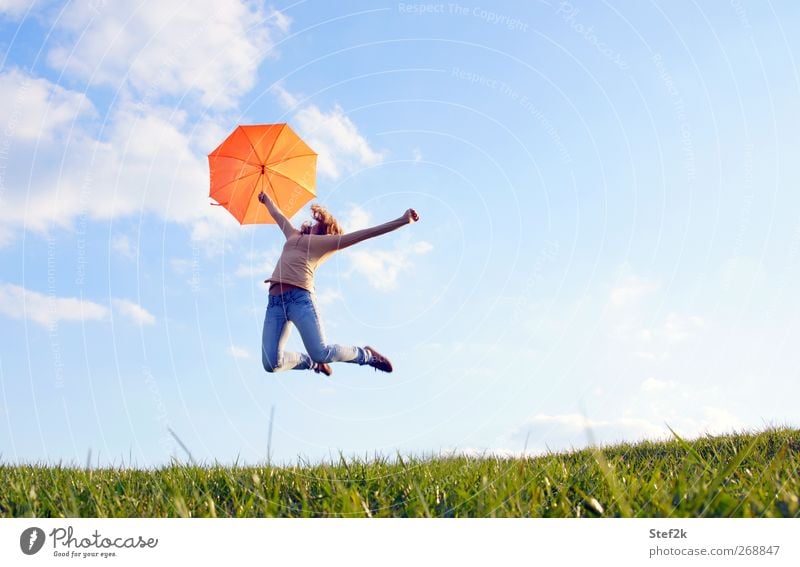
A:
[304, 314]
[274, 337]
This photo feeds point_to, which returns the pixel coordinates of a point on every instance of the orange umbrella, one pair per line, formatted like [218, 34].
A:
[265, 157]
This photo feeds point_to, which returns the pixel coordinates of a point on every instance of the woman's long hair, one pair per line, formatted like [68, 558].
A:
[320, 214]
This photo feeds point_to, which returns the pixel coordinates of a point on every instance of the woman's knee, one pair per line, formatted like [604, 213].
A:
[270, 364]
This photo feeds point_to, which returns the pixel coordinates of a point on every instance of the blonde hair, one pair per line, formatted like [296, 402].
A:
[329, 224]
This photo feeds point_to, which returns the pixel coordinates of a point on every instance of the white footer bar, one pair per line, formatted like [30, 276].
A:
[406, 542]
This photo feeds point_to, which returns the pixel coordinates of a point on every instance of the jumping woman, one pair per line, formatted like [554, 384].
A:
[291, 293]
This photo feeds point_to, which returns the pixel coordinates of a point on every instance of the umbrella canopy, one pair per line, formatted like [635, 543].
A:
[265, 157]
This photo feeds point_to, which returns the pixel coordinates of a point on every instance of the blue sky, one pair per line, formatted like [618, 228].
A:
[609, 243]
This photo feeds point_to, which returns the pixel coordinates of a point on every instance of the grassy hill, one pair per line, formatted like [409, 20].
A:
[741, 475]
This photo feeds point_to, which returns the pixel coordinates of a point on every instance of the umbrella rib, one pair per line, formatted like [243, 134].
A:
[274, 193]
[275, 141]
[287, 178]
[248, 175]
[239, 158]
[261, 190]
[291, 157]
[221, 187]
[252, 145]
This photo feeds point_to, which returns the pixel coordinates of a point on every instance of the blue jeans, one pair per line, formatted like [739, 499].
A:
[299, 307]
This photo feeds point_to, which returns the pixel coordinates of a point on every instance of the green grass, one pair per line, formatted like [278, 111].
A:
[741, 475]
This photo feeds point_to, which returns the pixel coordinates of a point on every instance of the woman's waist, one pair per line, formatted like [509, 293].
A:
[279, 288]
[293, 295]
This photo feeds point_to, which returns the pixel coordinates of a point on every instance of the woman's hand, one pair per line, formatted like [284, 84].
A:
[262, 197]
[410, 216]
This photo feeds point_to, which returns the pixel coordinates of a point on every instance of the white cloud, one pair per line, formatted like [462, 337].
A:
[716, 421]
[631, 290]
[164, 48]
[653, 342]
[214, 229]
[46, 310]
[421, 247]
[356, 219]
[382, 267]
[655, 385]
[142, 161]
[328, 296]
[711, 370]
[145, 165]
[209, 132]
[287, 99]
[572, 431]
[122, 244]
[134, 311]
[238, 352]
[279, 20]
[36, 109]
[190, 270]
[647, 334]
[6, 236]
[259, 264]
[679, 327]
[740, 275]
[181, 266]
[15, 8]
[336, 139]
[341, 147]
[686, 406]
[650, 356]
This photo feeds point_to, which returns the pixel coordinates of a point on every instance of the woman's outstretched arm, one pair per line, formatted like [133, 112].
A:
[280, 219]
[345, 240]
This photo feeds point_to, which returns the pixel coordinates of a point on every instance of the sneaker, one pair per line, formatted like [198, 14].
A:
[377, 360]
[323, 368]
